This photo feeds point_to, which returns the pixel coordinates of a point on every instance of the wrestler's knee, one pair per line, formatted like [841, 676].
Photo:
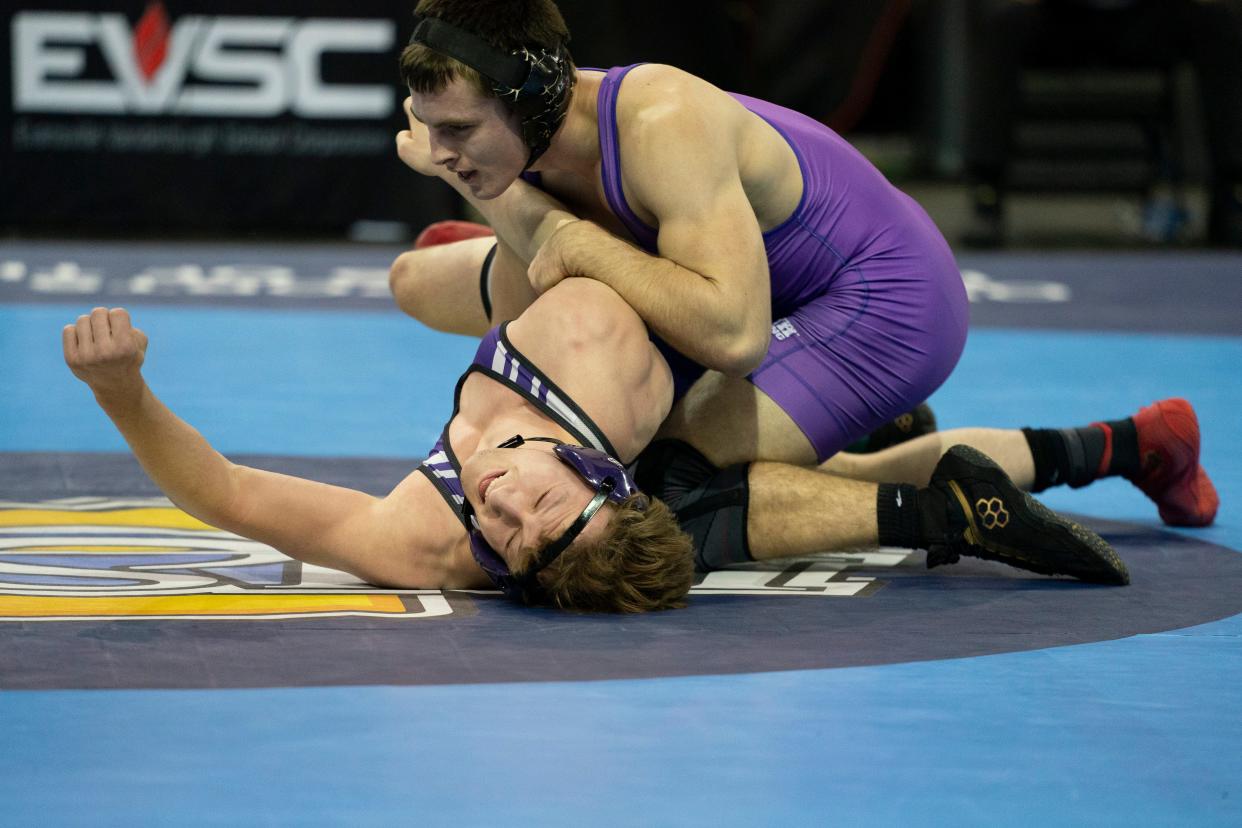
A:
[439, 286]
[409, 291]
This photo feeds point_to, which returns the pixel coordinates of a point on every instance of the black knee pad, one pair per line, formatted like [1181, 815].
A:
[710, 503]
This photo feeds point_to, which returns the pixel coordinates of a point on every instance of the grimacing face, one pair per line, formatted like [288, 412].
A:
[472, 135]
[525, 497]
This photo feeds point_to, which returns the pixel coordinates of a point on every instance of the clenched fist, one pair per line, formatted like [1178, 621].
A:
[105, 351]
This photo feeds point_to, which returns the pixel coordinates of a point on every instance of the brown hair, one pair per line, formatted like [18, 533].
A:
[644, 562]
[504, 24]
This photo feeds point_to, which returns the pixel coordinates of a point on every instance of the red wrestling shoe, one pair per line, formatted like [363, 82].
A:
[1168, 444]
[447, 232]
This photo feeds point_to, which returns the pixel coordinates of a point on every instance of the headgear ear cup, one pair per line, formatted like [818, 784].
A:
[596, 467]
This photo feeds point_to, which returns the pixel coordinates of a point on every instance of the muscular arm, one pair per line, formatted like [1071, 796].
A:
[706, 315]
[314, 522]
[708, 293]
[523, 215]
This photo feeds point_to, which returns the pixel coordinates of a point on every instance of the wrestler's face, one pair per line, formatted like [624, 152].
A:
[472, 135]
[525, 497]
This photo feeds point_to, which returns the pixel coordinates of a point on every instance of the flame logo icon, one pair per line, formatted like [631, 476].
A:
[151, 39]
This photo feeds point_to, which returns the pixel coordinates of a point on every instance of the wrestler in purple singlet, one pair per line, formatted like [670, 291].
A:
[499, 360]
[868, 306]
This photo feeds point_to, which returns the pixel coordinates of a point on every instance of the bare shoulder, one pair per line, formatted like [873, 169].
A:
[581, 312]
[579, 332]
[655, 83]
[592, 345]
[424, 545]
[655, 95]
[679, 138]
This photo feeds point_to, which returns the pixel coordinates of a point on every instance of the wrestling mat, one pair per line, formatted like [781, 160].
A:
[738, 709]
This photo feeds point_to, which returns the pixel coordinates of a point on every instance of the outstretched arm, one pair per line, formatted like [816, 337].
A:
[314, 522]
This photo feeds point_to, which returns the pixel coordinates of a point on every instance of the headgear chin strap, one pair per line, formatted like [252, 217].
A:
[602, 472]
[533, 81]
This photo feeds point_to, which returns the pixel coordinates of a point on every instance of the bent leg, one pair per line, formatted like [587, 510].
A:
[461, 287]
[913, 461]
[731, 421]
[508, 287]
[1157, 450]
[756, 511]
[970, 507]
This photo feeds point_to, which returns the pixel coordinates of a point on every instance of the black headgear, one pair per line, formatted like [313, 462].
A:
[534, 81]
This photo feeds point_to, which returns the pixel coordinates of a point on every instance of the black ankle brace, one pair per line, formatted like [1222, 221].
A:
[1125, 460]
[1065, 456]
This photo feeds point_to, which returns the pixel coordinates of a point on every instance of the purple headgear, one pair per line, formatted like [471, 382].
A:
[602, 472]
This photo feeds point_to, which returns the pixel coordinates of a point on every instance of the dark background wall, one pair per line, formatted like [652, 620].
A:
[827, 59]
[147, 165]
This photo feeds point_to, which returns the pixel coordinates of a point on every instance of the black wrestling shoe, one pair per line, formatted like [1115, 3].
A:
[916, 423]
[988, 517]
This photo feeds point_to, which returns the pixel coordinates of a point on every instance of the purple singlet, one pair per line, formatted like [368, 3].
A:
[498, 359]
[868, 306]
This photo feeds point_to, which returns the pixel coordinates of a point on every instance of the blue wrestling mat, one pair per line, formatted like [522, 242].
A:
[156, 671]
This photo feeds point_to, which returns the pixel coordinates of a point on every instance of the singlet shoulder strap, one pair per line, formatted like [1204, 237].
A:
[513, 369]
[610, 158]
[443, 470]
[499, 360]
